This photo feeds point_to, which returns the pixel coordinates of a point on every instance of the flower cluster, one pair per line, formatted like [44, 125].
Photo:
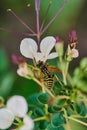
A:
[72, 51]
[16, 109]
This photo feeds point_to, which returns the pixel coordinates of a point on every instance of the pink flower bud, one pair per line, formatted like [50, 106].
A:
[72, 36]
[17, 59]
[58, 40]
[59, 46]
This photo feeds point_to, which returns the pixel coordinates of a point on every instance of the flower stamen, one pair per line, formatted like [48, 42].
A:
[44, 19]
[17, 32]
[54, 17]
[21, 21]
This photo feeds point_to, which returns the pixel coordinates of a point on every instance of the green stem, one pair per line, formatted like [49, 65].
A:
[65, 70]
[18, 119]
[61, 97]
[16, 124]
[49, 92]
[42, 86]
[76, 120]
[65, 73]
[60, 59]
[70, 79]
[38, 82]
[78, 116]
[58, 80]
[46, 105]
[67, 122]
[64, 77]
[40, 118]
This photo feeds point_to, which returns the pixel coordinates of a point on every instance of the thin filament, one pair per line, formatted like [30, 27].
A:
[16, 32]
[43, 22]
[37, 8]
[21, 21]
[53, 18]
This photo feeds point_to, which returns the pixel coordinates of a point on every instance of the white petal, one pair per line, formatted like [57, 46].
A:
[20, 72]
[23, 70]
[28, 123]
[28, 47]
[6, 118]
[42, 57]
[39, 56]
[75, 53]
[18, 105]
[24, 127]
[52, 55]
[47, 44]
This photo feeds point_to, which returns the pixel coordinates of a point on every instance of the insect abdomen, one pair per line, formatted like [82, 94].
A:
[49, 80]
[47, 76]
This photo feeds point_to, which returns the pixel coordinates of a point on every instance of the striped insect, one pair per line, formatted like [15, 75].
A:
[48, 77]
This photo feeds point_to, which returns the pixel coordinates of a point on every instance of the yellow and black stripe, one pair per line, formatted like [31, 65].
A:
[47, 76]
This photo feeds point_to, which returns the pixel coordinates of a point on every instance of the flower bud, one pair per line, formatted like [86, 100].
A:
[24, 70]
[72, 36]
[59, 46]
[72, 52]
[17, 59]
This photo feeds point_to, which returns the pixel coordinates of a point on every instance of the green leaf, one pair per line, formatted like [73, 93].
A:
[43, 98]
[57, 119]
[39, 112]
[43, 125]
[33, 99]
[53, 109]
[50, 127]
[58, 89]
[36, 125]
[57, 108]
[61, 102]
[69, 111]
[80, 76]
[81, 109]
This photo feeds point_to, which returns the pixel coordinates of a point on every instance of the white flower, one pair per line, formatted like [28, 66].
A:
[28, 124]
[74, 53]
[29, 49]
[6, 118]
[24, 70]
[17, 105]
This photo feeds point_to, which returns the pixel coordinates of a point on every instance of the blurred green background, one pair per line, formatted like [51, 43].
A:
[73, 16]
